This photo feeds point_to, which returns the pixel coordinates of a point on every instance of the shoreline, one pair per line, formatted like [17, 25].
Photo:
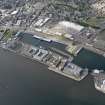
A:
[50, 64]
[49, 68]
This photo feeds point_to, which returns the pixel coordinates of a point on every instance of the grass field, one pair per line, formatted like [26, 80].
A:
[95, 21]
[8, 34]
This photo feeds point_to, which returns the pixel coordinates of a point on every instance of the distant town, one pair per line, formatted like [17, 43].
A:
[54, 31]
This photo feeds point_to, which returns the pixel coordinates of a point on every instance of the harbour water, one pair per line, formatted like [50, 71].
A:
[91, 60]
[24, 82]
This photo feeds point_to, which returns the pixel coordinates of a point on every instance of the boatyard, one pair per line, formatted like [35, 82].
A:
[53, 54]
[47, 52]
[57, 56]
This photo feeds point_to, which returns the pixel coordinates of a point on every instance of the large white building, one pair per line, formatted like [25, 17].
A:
[71, 28]
[71, 25]
[66, 28]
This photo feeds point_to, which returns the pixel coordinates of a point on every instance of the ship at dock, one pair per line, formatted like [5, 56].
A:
[99, 79]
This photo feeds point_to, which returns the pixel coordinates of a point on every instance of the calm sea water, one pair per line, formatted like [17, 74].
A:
[88, 59]
[24, 82]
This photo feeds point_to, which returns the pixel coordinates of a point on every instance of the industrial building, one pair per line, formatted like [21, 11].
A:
[99, 79]
[75, 71]
[66, 28]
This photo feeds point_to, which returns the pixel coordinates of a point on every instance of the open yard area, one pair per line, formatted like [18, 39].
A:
[95, 21]
[101, 36]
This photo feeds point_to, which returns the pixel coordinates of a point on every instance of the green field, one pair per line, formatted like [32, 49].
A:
[8, 34]
[95, 21]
